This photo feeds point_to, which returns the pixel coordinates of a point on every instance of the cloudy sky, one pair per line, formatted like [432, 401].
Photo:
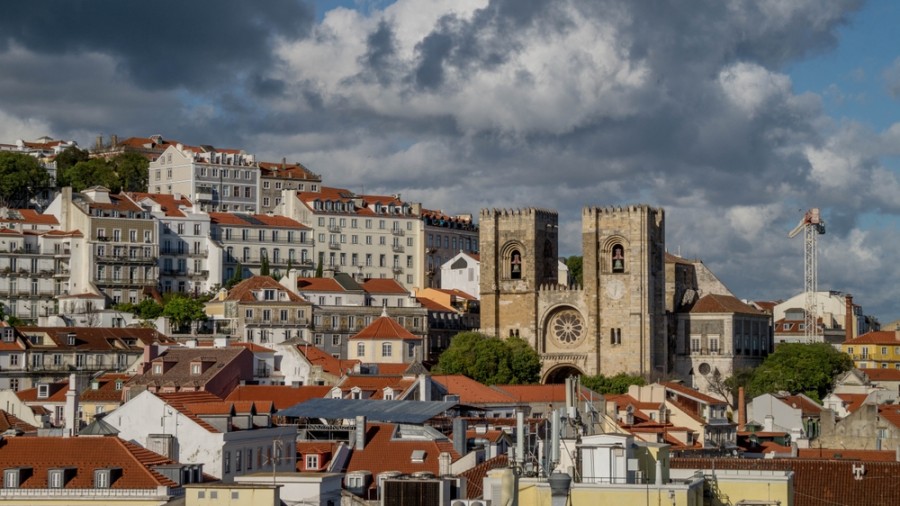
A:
[734, 116]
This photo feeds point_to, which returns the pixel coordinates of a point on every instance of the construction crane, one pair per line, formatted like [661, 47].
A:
[812, 226]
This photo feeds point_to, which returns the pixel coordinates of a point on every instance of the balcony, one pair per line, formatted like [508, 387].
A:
[398, 232]
[273, 322]
[397, 269]
[203, 253]
[62, 273]
[334, 229]
[126, 282]
[199, 274]
[65, 252]
[120, 259]
[334, 245]
[397, 248]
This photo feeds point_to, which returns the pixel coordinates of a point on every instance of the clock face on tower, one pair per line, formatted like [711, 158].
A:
[615, 289]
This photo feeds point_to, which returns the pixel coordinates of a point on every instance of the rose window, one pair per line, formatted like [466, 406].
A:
[567, 327]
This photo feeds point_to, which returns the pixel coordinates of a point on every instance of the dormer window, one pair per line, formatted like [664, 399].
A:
[70, 339]
[13, 478]
[119, 384]
[196, 369]
[43, 391]
[158, 368]
[8, 335]
[57, 478]
[417, 457]
[104, 478]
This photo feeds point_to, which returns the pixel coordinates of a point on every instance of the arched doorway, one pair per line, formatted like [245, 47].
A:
[558, 374]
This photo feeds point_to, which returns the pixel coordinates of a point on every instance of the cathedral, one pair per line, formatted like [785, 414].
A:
[615, 322]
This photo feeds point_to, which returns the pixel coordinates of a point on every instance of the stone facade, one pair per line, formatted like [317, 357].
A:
[614, 323]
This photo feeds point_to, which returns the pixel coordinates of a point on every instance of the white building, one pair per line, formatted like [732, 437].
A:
[250, 240]
[187, 264]
[463, 273]
[199, 428]
[369, 236]
[217, 179]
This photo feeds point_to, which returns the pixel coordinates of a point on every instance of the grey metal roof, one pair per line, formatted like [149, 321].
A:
[375, 410]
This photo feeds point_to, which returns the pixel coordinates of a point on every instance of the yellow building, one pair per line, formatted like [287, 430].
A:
[232, 494]
[874, 350]
[385, 341]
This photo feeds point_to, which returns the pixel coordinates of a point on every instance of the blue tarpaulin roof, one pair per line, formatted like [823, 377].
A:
[375, 410]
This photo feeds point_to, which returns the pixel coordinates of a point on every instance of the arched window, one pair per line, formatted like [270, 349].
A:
[515, 264]
[618, 258]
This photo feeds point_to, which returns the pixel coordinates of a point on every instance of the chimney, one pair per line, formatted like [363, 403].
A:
[848, 319]
[99, 143]
[742, 409]
[113, 140]
[459, 436]
[769, 424]
[424, 387]
[444, 464]
[360, 437]
[71, 412]
[794, 450]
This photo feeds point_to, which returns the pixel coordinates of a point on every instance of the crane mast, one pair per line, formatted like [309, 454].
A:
[812, 226]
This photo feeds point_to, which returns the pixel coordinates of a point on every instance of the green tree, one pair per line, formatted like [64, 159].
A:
[133, 171]
[617, 384]
[182, 310]
[799, 368]
[21, 178]
[319, 269]
[66, 160]
[8, 318]
[490, 360]
[264, 268]
[93, 172]
[237, 277]
[576, 269]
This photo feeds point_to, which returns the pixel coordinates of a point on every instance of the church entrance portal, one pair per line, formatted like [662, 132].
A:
[559, 374]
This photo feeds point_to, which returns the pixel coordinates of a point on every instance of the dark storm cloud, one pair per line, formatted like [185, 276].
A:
[162, 44]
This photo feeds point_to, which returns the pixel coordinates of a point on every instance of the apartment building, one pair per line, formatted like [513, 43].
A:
[342, 307]
[277, 177]
[445, 237]
[120, 248]
[369, 236]
[34, 263]
[875, 350]
[260, 310]
[217, 179]
[186, 264]
[247, 241]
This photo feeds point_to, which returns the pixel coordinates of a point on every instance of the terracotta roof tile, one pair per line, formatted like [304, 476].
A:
[853, 401]
[807, 406]
[384, 286]
[382, 453]
[280, 395]
[542, 393]
[375, 384]
[85, 454]
[319, 285]
[888, 337]
[168, 203]
[690, 392]
[432, 305]
[385, 327]
[471, 391]
[475, 476]
[818, 482]
[885, 374]
[255, 220]
[243, 291]
[10, 421]
[847, 454]
[714, 303]
[329, 364]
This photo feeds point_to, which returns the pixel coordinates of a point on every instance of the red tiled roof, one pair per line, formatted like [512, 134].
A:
[168, 203]
[382, 453]
[433, 305]
[854, 401]
[391, 369]
[280, 395]
[329, 364]
[319, 285]
[383, 286]
[847, 454]
[31, 217]
[286, 171]
[888, 337]
[243, 291]
[475, 476]
[541, 393]
[85, 454]
[385, 327]
[714, 303]
[690, 392]
[819, 482]
[471, 391]
[97, 338]
[106, 388]
[882, 374]
[890, 413]
[807, 406]
[258, 220]
[256, 348]
[10, 421]
[375, 384]
[179, 400]
[457, 293]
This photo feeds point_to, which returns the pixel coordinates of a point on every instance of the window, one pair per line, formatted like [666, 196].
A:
[226, 464]
[386, 349]
[238, 461]
[43, 391]
[618, 258]
[250, 459]
[360, 349]
[336, 339]
[101, 478]
[515, 265]
[312, 461]
[196, 369]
